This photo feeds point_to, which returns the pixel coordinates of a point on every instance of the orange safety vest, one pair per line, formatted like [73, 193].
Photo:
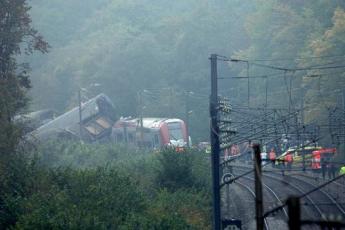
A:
[288, 158]
[272, 155]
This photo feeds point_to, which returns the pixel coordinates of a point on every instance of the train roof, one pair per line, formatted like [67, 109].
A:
[148, 122]
[325, 150]
[156, 122]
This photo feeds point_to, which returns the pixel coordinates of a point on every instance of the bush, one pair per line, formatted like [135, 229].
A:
[99, 198]
[66, 185]
[185, 170]
[181, 209]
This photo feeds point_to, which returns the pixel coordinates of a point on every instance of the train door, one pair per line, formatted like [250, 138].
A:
[156, 140]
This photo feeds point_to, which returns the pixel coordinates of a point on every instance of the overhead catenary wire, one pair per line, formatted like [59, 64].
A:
[314, 67]
[292, 59]
[256, 127]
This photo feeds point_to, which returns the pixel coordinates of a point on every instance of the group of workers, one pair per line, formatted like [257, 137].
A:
[287, 161]
[327, 164]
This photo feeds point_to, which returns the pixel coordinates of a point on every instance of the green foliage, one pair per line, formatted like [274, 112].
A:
[77, 155]
[184, 170]
[14, 184]
[324, 93]
[16, 37]
[67, 185]
[287, 34]
[100, 198]
[181, 210]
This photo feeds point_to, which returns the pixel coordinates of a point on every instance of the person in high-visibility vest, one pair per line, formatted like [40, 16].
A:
[342, 170]
[272, 157]
[288, 159]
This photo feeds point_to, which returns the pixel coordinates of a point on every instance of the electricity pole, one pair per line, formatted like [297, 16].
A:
[215, 147]
[170, 101]
[248, 84]
[294, 210]
[258, 188]
[80, 116]
[80, 108]
[141, 119]
[342, 119]
[187, 116]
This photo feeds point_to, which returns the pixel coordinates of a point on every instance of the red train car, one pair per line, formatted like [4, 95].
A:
[153, 133]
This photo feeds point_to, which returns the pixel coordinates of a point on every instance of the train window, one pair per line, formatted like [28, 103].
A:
[94, 128]
[175, 131]
[103, 122]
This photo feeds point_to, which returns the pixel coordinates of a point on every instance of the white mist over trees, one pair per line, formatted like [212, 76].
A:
[128, 46]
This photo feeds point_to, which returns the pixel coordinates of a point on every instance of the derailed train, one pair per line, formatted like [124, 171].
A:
[97, 122]
[150, 132]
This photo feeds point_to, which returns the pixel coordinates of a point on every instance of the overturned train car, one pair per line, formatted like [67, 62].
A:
[97, 118]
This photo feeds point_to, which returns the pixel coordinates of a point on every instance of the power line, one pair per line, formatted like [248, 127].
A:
[298, 69]
[293, 59]
[315, 67]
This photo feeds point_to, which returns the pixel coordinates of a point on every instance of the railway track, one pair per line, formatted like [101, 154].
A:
[282, 192]
[238, 202]
[250, 190]
[317, 205]
[336, 191]
[245, 206]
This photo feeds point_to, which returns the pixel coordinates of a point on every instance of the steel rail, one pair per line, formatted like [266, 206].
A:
[314, 205]
[271, 191]
[321, 191]
[253, 193]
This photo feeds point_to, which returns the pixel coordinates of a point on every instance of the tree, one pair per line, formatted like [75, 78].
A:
[15, 30]
[16, 37]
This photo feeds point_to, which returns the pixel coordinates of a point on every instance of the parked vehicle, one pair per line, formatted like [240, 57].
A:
[299, 154]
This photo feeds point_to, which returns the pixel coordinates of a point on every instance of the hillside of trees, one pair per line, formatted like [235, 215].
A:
[163, 48]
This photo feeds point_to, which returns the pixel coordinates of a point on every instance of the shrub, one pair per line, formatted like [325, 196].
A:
[67, 185]
[99, 198]
[178, 170]
[180, 210]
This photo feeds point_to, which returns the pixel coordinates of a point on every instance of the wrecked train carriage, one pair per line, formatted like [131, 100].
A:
[97, 118]
[151, 133]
